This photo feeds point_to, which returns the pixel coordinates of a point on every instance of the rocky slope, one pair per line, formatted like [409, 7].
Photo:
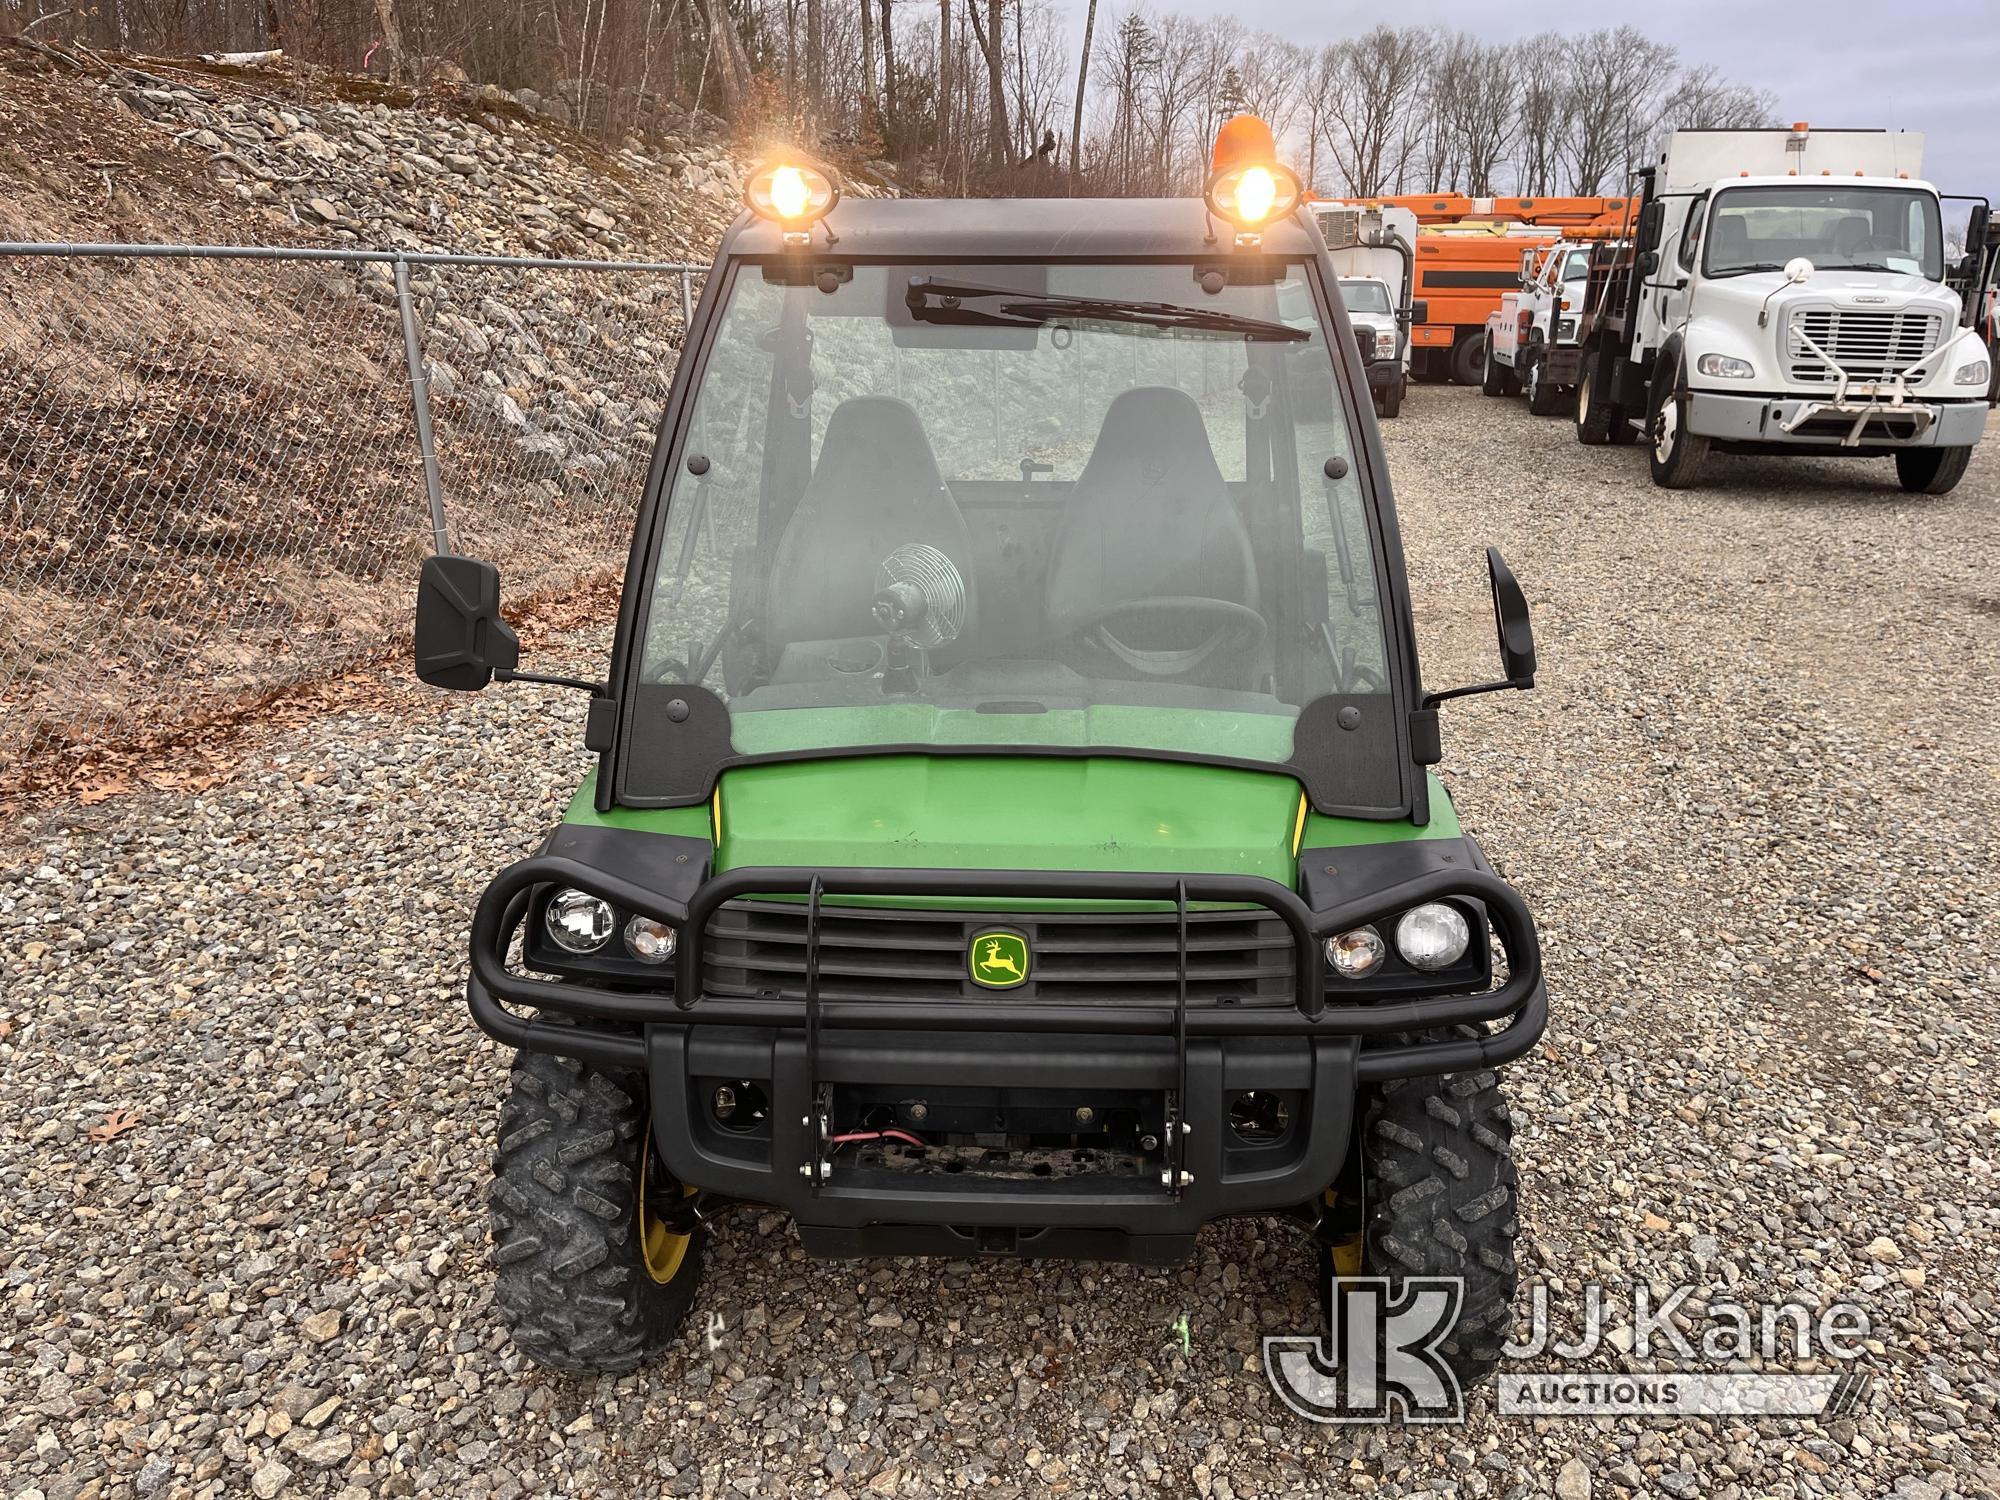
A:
[210, 474]
[156, 151]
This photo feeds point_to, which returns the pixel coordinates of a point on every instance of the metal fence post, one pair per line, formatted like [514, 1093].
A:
[687, 306]
[420, 400]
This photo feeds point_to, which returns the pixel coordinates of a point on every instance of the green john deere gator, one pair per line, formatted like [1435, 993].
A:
[1011, 831]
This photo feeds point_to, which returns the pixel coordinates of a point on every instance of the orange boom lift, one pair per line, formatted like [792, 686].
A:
[1469, 255]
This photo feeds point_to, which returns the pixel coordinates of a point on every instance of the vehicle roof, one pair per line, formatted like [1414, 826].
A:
[1022, 228]
[1821, 179]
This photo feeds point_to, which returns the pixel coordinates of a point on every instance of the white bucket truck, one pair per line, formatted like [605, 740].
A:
[1531, 342]
[1789, 291]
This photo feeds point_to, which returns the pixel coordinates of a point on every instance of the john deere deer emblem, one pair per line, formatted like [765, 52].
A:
[999, 960]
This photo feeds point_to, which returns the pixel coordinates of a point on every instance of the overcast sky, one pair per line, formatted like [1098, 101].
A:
[1933, 67]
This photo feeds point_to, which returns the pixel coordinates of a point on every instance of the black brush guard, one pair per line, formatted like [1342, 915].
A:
[1193, 1059]
[1521, 1000]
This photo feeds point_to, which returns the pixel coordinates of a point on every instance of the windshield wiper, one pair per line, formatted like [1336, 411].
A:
[1746, 270]
[934, 301]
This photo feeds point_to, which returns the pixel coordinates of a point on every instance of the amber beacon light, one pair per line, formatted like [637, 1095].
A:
[793, 195]
[1246, 184]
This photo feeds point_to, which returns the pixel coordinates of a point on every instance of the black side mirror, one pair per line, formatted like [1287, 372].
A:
[1649, 262]
[461, 641]
[1510, 622]
[1517, 636]
[1650, 220]
[1364, 343]
[1420, 311]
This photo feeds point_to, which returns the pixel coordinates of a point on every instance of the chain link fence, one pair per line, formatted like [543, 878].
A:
[219, 466]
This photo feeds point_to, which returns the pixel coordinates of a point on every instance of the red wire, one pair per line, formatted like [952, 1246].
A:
[875, 1135]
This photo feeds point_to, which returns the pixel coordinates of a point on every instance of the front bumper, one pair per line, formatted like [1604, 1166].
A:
[1178, 1065]
[1848, 422]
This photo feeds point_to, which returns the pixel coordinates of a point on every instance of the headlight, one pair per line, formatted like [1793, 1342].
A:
[578, 921]
[1356, 954]
[1433, 936]
[1976, 373]
[1725, 367]
[650, 942]
[1565, 330]
[1385, 341]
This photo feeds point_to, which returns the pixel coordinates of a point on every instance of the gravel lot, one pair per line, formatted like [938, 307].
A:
[1754, 803]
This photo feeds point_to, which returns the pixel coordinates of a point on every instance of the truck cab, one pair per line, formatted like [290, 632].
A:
[1373, 252]
[1791, 292]
[1532, 339]
[1371, 307]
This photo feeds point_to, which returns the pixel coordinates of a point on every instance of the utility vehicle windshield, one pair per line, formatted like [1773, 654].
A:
[1365, 296]
[1836, 228]
[1017, 505]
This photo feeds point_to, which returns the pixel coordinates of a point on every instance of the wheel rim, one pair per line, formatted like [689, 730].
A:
[1583, 401]
[662, 1248]
[1666, 427]
[1534, 378]
[1346, 1253]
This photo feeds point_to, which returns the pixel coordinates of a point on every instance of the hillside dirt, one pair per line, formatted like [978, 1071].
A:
[210, 481]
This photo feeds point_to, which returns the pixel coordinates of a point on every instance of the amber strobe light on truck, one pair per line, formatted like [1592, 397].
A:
[1246, 185]
[795, 195]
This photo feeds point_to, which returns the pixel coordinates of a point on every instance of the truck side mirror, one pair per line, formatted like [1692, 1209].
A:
[1650, 218]
[1510, 622]
[1649, 262]
[1420, 311]
[461, 641]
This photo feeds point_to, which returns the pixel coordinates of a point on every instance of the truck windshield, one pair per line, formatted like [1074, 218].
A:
[1365, 296]
[1002, 504]
[1836, 228]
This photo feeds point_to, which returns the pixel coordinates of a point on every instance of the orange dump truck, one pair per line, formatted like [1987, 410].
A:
[1469, 256]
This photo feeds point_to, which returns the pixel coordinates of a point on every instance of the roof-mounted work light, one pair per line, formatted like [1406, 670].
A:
[795, 195]
[1246, 185]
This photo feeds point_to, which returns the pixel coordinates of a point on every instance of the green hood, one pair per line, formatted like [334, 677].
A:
[1016, 812]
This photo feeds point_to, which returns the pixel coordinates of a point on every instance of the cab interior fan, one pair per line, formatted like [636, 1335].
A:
[920, 596]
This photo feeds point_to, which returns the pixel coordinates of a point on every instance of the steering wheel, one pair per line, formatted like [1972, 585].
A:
[1235, 624]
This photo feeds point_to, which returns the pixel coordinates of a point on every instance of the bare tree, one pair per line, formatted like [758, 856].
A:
[992, 38]
[732, 62]
[1614, 101]
[1541, 112]
[392, 39]
[1374, 108]
[1082, 85]
[1702, 99]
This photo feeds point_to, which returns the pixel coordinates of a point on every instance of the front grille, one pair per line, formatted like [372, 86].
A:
[1867, 345]
[758, 948]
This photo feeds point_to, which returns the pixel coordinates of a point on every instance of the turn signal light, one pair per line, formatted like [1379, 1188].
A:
[795, 195]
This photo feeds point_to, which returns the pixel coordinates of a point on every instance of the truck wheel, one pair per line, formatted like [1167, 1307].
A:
[588, 1280]
[1492, 374]
[1677, 454]
[1594, 416]
[1468, 359]
[1441, 1194]
[1932, 471]
[1392, 400]
[1542, 396]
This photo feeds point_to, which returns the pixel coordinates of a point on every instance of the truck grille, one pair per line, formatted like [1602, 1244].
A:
[758, 948]
[1867, 345]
